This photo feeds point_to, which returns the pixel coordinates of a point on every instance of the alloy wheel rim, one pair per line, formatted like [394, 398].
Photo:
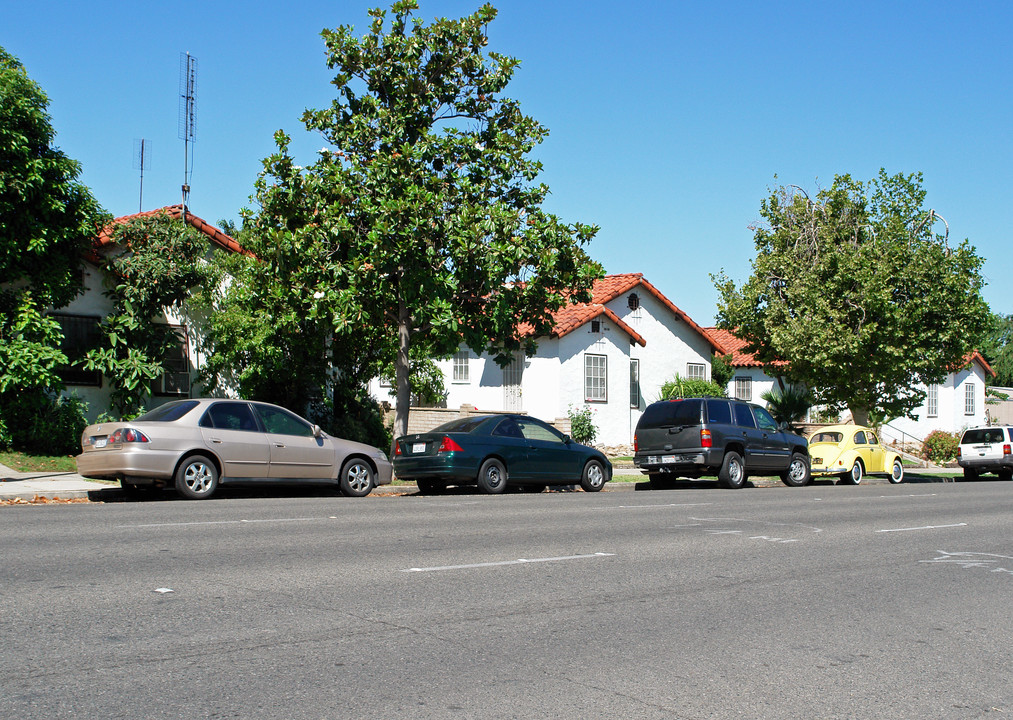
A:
[358, 477]
[595, 475]
[198, 478]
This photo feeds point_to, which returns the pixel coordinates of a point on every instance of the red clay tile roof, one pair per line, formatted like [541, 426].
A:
[975, 356]
[216, 236]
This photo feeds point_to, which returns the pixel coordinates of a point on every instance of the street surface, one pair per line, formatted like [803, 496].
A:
[874, 601]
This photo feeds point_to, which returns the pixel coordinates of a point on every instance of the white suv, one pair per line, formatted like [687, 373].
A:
[986, 449]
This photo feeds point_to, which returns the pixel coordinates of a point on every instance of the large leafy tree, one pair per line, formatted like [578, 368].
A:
[47, 219]
[856, 291]
[997, 347]
[421, 225]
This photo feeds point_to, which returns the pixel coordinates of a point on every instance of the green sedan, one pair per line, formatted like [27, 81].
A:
[494, 451]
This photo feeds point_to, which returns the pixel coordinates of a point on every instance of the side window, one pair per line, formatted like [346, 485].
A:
[743, 417]
[718, 412]
[508, 428]
[860, 437]
[764, 420]
[871, 437]
[282, 422]
[537, 431]
[232, 416]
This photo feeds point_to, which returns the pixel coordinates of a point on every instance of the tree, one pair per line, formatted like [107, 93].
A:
[788, 404]
[420, 227]
[858, 294]
[997, 347]
[47, 220]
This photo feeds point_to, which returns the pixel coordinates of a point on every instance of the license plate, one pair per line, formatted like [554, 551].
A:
[668, 459]
[817, 461]
[661, 459]
[100, 443]
[418, 448]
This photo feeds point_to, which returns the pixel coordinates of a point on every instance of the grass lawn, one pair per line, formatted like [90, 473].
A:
[23, 462]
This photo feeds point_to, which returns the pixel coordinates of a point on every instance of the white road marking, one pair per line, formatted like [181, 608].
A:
[519, 561]
[924, 527]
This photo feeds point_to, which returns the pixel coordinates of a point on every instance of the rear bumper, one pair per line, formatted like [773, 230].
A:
[694, 460]
[446, 467]
[987, 464]
[117, 464]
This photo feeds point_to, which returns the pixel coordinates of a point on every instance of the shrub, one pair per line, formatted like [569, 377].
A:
[582, 428]
[690, 387]
[46, 424]
[941, 446]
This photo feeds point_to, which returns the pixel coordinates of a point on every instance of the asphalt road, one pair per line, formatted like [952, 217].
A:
[874, 601]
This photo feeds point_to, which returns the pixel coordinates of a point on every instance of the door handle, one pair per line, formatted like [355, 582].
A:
[279, 444]
[217, 441]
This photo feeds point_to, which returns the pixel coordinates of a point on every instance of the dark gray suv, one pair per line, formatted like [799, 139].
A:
[732, 439]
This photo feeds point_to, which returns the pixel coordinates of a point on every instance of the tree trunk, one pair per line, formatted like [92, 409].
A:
[860, 416]
[401, 384]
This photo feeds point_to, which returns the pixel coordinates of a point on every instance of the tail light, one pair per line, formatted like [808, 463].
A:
[1006, 450]
[448, 445]
[705, 438]
[636, 445]
[958, 452]
[397, 449]
[127, 435]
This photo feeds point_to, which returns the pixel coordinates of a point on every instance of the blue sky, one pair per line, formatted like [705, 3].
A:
[669, 120]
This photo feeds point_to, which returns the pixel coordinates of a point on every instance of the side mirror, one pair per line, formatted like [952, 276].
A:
[317, 432]
[782, 426]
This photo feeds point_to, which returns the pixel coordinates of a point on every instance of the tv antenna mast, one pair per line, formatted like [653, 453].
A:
[142, 162]
[187, 118]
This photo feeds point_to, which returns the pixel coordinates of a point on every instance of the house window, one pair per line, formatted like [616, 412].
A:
[596, 326]
[696, 371]
[176, 361]
[461, 366]
[595, 376]
[969, 399]
[932, 401]
[81, 333]
[744, 388]
[633, 301]
[634, 383]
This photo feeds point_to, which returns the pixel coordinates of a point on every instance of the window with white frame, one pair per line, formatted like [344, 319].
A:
[696, 371]
[176, 361]
[461, 366]
[744, 388]
[595, 377]
[932, 401]
[969, 399]
[634, 383]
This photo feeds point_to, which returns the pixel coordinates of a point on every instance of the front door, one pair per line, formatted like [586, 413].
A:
[296, 452]
[512, 376]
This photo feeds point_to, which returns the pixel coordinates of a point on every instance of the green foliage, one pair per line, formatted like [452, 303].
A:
[421, 225]
[351, 413]
[997, 348]
[941, 446]
[47, 218]
[162, 259]
[582, 427]
[789, 404]
[29, 346]
[679, 387]
[857, 294]
[425, 380]
[41, 422]
[722, 371]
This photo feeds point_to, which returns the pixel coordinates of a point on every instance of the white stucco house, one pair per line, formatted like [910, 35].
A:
[80, 321]
[956, 403]
[611, 355]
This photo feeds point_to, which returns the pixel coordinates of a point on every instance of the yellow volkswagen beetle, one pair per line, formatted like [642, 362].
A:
[850, 452]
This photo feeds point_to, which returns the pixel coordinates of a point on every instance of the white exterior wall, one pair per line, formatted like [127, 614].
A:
[761, 383]
[951, 415]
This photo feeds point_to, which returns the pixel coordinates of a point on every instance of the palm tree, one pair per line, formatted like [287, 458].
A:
[788, 404]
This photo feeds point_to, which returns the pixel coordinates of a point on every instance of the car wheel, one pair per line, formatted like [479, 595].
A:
[855, 476]
[733, 472]
[196, 478]
[430, 487]
[970, 474]
[593, 478]
[356, 478]
[797, 474]
[533, 488]
[492, 477]
[897, 473]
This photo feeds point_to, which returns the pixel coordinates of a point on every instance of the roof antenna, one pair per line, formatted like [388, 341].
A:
[187, 118]
[142, 162]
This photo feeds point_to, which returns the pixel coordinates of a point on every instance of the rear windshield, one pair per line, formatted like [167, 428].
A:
[461, 425]
[169, 412]
[827, 437]
[984, 435]
[670, 413]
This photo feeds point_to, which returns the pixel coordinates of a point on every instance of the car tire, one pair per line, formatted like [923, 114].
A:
[854, 477]
[430, 487]
[492, 477]
[970, 474]
[897, 472]
[797, 474]
[356, 479]
[594, 477]
[196, 478]
[733, 472]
